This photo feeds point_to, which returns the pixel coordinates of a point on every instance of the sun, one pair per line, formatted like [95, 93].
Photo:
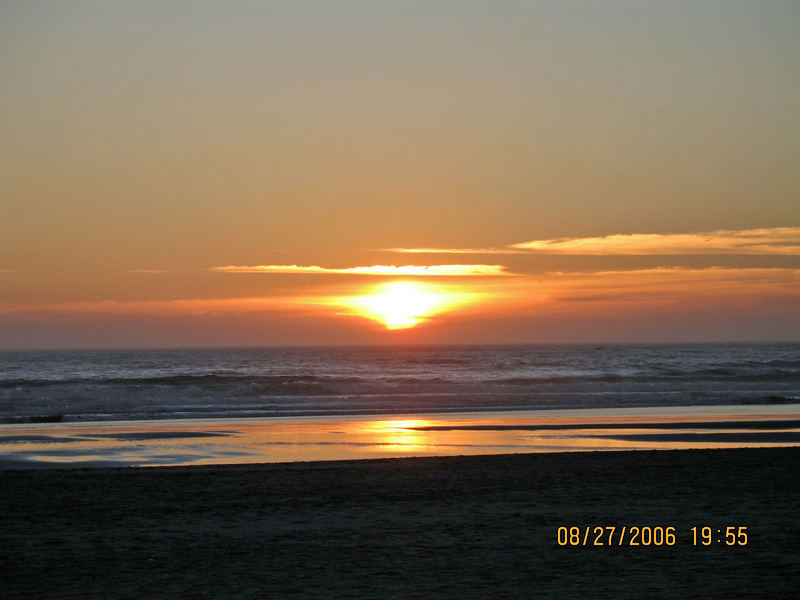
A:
[402, 304]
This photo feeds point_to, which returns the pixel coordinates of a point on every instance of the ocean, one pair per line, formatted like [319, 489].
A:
[241, 383]
[110, 408]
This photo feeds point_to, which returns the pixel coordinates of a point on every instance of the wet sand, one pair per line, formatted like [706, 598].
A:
[221, 441]
[452, 527]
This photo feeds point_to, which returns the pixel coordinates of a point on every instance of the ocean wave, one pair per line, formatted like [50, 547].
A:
[300, 383]
[286, 382]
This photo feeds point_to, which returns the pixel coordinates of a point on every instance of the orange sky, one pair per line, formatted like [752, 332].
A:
[194, 173]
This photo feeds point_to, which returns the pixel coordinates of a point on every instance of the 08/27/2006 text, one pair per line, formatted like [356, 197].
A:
[646, 535]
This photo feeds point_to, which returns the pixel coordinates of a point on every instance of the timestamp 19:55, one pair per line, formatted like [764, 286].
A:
[730, 536]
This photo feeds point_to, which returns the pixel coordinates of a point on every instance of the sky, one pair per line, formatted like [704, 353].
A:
[196, 173]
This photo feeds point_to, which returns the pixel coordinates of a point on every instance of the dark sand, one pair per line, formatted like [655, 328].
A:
[457, 527]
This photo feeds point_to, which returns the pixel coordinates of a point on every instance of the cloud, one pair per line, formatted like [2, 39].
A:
[507, 250]
[149, 271]
[778, 240]
[380, 270]
[6, 271]
[782, 241]
[189, 306]
[710, 277]
[677, 287]
[595, 295]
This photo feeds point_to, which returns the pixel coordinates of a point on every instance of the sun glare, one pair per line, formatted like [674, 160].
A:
[402, 304]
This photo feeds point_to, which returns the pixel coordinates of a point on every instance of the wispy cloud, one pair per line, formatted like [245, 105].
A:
[507, 250]
[768, 241]
[189, 306]
[678, 287]
[149, 271]
[675, 290]
[710, 276]
[778, 240]
[380, 270]
[6, 271]
[588, 294]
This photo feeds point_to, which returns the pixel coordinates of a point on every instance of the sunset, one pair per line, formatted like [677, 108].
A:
[402, 304]
[160, 156]
[341, 299]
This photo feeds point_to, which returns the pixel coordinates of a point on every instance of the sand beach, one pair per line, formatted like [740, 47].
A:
[448, 527]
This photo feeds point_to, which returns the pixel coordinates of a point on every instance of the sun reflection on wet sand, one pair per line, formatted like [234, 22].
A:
[146, 443]
[399, 435]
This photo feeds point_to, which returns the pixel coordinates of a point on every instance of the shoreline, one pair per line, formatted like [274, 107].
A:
[441, 527]
[287, 440]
